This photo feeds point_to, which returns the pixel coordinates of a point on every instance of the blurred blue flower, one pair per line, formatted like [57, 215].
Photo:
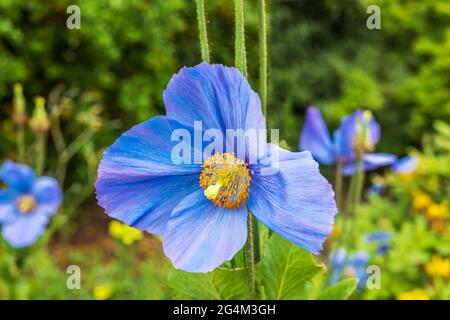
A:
[200, 209]
[358, 131]
[344, 265]
[376, 188]
[336, 261]
[382, 238]
[27, 204]
[405, 164]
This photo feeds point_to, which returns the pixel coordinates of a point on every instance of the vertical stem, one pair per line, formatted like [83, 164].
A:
[251, 252]
[263, 56]
[338, 185]
[356, 184]
[41, 151]
[21, 144]
[252, 245]
[240, 59]
[203, 35]
[359, 183]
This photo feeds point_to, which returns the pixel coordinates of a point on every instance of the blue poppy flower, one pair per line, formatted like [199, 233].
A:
[337, 260]
[405, 164]
[356, 267]
[382, 238]
[27, 204]
[200, 207]
[344, 265]
[358, 131]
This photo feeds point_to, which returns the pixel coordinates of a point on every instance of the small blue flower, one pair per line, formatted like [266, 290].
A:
[382, 238]
[358, 130]
[376, 188]
[344, 265]
[200, 208]
[27, 204]
[356, 267]
[336, 260]
[405, 164]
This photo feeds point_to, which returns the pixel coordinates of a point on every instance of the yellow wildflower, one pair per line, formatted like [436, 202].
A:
[438, 267]
[416, 294]
[124, 233]
[438, 210]
[421, 200]
[102, 292]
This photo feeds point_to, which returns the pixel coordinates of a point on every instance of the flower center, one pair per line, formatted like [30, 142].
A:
[349, 272]
[26, 204]
[226, 180]
[363, 139]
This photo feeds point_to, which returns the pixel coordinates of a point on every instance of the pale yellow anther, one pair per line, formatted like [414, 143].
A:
[225, 180]
[212, 191]
[26, 204]
[367, 116]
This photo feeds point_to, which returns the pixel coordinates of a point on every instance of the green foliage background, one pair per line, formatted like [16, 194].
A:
[321, 53]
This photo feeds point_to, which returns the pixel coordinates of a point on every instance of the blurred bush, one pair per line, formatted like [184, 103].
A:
[321, 53]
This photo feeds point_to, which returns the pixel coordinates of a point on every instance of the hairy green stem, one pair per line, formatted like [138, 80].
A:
[203, 35]
[252, 251]
[359, 184]
[21, 144]
[41, 152]
[240, 59]
[356, 185]
[263, 56]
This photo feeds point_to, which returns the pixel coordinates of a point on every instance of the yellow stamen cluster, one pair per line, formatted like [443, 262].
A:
[363, 140]
[26, 204]
[226, 180]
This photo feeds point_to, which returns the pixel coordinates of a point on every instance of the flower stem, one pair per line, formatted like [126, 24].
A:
[252, 252]
[359, 183]
[203, 35]
[240, 59]
[356, 185]
[21, 144]
[41, 151]
[263, 56]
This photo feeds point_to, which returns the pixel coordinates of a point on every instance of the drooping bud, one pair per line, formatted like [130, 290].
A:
[19, 113]
[39, 121]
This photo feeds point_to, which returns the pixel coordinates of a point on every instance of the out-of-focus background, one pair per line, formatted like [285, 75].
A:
[109, 75]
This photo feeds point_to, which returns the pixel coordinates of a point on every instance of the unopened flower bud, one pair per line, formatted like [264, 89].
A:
[40, 121]
[19, 113]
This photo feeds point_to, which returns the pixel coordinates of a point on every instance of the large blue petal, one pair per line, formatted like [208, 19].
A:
[315, 137]
[201, 236]
[375, 160]
[345, 135]
[138, 183]
[218, 96]
[405, 164]
[25, 230]
[19, 177]
[297, 202]
[8, 210]
[371, 161]
[48, 194]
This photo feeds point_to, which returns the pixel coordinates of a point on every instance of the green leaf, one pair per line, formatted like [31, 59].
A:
[340, 291]
[220, 284]
[287, 270]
